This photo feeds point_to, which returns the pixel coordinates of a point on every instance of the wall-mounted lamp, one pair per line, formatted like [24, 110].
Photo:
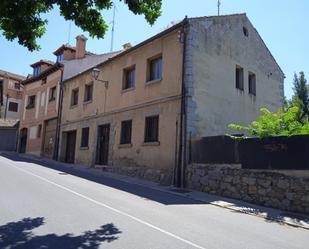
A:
[95, 74]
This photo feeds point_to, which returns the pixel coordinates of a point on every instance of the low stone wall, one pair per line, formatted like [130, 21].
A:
[271, 189]
[162, 176]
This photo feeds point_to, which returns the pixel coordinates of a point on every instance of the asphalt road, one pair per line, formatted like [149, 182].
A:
[43, 207]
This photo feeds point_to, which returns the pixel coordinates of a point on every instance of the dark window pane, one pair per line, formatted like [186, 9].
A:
[129, 78]
[152, 129]
[85, 137]
[252, 83]
[126, 132]
[88, 92]
[13, 107]
[52, 94]
[155, 69]
[74, 98]
[239, 73]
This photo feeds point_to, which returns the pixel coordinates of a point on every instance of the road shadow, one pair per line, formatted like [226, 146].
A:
[96, 176]
[19, 235]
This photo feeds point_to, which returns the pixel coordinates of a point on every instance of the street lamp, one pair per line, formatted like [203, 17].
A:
[95, 74]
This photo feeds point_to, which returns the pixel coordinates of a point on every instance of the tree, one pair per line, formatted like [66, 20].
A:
[275, 124]
[300, 97]
[22, 19]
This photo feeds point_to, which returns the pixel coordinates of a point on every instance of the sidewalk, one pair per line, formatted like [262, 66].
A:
[269, 214]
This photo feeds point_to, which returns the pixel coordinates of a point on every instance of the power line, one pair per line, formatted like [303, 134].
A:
[113, 28]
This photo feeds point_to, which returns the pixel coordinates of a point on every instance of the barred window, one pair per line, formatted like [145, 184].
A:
[152, 129]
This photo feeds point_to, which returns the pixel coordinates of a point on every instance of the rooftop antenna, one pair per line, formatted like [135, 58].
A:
[69, 34]
[113, 28]
[219, 3]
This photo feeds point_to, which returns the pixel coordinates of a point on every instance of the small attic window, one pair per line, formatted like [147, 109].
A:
[245, 30]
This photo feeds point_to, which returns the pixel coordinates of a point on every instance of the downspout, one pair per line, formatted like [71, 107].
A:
[60, 102]
[6, 105]
[182, 129]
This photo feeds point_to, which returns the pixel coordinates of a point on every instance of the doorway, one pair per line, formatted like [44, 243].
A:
[70, 147]
[103, 144]
[23, 140]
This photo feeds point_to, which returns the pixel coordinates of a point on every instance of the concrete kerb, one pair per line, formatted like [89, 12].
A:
[270, 214]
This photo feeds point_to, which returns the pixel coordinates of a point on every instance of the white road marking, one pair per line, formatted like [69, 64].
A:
[108, 207]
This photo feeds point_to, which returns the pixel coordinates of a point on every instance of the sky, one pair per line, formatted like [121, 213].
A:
[283, 25]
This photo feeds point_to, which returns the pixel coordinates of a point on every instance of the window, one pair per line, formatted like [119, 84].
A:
[60, 57]
[17, 85]
[43, 81]
[252, 83]
[31, 102]
[85, 137]
[36, 71]
[39, 130]
[151, 129]
[239, 78]
[52, 94]
[129, 78]
[13, 107]
[126, 132]
[245, 31]
[74, 97]
[155, 69]
[88, 92]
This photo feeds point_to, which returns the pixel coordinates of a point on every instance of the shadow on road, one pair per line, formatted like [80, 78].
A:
[95, 176]
[19, 235]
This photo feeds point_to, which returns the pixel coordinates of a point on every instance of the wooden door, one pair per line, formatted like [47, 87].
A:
[103, 144]
[49, 137]
[70, 147]
[23, 140]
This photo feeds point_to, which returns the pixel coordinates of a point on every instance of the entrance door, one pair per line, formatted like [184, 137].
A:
[70, 147]
[103, 144]
[49, 137]
[23, 140]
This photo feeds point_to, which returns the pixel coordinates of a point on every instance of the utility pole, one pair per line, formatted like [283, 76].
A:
[219, 3]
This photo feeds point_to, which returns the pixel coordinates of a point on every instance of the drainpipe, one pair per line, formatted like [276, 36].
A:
[6, 105]
[180, 173]
[60, 102]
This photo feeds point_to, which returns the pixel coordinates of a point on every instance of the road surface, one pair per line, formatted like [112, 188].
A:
[43, 207]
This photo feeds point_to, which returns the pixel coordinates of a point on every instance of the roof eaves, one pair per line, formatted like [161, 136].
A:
[164, 32]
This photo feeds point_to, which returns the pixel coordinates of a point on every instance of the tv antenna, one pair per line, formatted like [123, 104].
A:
[113, 28]
[219, 3]
[69, 33]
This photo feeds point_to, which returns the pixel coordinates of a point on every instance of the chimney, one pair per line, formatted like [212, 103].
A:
[80, 46]
[127, 46]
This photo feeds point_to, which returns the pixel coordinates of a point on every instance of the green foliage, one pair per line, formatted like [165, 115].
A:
[300, 97]
[275, 124]
[22, 19]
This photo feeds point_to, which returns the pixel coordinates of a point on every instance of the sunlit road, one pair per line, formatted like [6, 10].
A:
[41, 207]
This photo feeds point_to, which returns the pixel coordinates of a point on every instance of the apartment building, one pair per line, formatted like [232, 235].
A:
[136, 111]
[10, 95]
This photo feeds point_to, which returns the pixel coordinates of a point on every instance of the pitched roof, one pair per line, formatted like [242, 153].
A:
[123, 52]
[11, 75]
[42, 75]
[48, 62]
[69, 47]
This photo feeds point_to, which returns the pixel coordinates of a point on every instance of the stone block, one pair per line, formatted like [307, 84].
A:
[283, 184]
[204, 180]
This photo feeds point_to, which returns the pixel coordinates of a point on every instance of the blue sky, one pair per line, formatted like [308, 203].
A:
[283, 25]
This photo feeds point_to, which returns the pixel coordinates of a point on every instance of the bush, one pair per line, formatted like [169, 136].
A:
[275, 124]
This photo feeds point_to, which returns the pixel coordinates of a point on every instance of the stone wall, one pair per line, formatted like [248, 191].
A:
[271, 189]
[162, 176]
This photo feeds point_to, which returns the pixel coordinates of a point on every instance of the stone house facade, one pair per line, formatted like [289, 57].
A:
[138, 109]
[10, 95]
